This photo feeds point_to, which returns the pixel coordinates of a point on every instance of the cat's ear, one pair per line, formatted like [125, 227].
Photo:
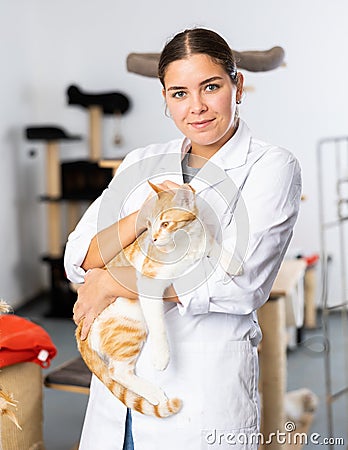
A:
[156, 188]
[185, 197]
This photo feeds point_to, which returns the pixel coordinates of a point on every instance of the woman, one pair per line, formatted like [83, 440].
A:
[252, 191]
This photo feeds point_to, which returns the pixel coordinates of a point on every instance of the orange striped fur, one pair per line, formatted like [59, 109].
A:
[98, 366]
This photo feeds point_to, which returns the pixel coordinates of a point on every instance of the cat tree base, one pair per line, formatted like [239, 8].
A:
[272, 355]
[24, 381]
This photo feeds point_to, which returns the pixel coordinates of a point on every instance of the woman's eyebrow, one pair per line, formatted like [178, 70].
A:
[208, 80]
[176, 88]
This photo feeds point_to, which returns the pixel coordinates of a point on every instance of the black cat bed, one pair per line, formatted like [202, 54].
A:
[110, 102]
[253, 61]
[49, 133]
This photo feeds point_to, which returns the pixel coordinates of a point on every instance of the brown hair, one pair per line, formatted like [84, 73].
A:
[198, 40]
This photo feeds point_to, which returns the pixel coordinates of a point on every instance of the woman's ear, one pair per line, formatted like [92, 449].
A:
[165, 102]
[240, 84]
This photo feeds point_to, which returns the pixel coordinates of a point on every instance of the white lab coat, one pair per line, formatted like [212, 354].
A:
[213, 334]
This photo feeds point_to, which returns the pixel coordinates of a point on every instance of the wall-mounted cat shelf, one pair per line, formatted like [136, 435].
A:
[253, 61]
[71, 182]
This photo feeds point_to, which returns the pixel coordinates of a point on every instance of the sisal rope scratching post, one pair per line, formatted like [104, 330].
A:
[273, 367]
[95, 136]
[53, 190]
[310, 318]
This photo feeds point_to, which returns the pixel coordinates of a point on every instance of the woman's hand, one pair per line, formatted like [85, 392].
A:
[93, 296]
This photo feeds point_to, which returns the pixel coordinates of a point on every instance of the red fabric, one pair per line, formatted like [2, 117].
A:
[22, 341]
[312, 259]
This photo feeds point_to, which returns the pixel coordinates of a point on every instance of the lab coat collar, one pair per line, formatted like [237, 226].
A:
[231, 155]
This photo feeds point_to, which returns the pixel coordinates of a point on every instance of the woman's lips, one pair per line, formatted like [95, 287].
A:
[201, 124]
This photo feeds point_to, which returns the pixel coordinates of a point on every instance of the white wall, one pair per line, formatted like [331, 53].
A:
[46, 46]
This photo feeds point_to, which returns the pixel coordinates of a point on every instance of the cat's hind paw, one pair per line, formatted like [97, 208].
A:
[155, 396]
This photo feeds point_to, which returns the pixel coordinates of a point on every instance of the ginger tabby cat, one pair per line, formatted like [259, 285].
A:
[173, 242]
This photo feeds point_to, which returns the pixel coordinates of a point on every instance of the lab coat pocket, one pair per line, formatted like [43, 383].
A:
[229, 386]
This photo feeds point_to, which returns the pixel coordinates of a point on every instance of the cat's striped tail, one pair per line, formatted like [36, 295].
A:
[131, 400]
[126, 396]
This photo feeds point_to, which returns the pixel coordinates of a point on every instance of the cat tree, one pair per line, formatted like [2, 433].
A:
[52, 137]
[72, 182]
[97, 105]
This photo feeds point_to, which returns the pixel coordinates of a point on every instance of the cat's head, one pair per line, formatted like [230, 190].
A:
[171, 211]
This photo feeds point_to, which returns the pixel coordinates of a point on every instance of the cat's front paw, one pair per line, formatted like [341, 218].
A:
[160, 362]
[160, 357]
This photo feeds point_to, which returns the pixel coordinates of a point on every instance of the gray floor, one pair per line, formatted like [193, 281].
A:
[63, 412]
[306, 368]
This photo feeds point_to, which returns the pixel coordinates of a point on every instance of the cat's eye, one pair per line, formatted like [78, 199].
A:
[164, 224]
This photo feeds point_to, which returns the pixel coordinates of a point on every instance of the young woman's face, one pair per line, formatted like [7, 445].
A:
[202, 100]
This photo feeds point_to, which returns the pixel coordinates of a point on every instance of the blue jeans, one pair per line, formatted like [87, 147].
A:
[128, 437]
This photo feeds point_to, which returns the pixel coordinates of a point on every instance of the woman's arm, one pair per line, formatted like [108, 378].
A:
[272, 197]
[101, 288]
[109, 242]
